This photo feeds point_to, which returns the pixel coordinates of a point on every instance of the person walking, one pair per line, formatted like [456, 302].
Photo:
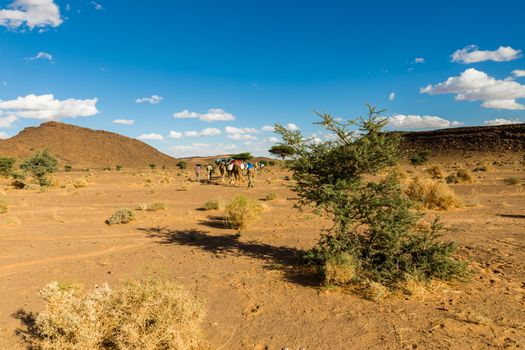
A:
[250, 171]
[209, 170]
[198, 170]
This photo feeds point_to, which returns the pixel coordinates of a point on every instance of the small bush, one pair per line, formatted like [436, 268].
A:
[157, 206]
[435, 172]
[118, 167]
[79, 183]
[152, 166]
[340, 269]
[212, 205]
[241, 212]
[420, 158]
[182, 164]
[6, 166]
[121, 216]
[67, 168]
[4, 206]
[147, 314]
[271, 163]
[464, 176]
[40, 166]
[432, 195]
[271, 196]
[286, 178]
[512, 180]
[18, 184]
[107, 168]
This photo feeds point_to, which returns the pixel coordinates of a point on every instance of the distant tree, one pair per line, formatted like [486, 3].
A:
[282, 151]
[242, 156]
[118, 167]
[152, 166]
[6, 166]
[40, 165]
[182, 164]
[67, 168]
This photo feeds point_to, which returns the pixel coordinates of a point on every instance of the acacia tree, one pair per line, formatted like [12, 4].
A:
[282, 151]
[40, 165]
[374, 232]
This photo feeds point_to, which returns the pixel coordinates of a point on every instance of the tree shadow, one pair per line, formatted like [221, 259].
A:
[512, 216]
[285, 259]
[28, 332]
[215, 222]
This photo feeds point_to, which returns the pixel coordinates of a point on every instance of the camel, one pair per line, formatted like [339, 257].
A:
[235, 169]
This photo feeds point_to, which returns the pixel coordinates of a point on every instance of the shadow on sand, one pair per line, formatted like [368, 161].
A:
[285, 259]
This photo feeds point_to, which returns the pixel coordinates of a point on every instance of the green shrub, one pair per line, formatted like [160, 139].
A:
[512, 180]
[375, 236]
[67, 168]
[147, 314]
[212, 205]
[241, 212]
[157, 206]
[152, 166]
[182, 164]
[6, 166]
[435, 172]
[121, 216]
[420, 158]
[118, 167]
[271, 163]
[461, 176]
[271, 196]
[106, 168]
[40, 166]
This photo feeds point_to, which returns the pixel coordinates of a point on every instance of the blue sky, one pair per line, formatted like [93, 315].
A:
[237, 66]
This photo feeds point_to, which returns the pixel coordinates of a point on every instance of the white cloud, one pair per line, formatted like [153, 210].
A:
[502, 121]
[401, 121]
[268, 128]
[41, 56]
[472, 54]
[3, 135]
[474, 85]
[234, 130]
[392, 96]
[213, 115]
[242, 137]
[518, 73]
[202, 149]
[210, 132]
[292, 127]
[97, 6]
[151, 136]
[175, 134]
[32, 13]
[272, 139]
[123, 121]
[154, 99]
[419, 60]
[46, 107]
[7, 122]
[204, 132]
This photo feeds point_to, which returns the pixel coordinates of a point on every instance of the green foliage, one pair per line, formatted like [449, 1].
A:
[118, 167]
[242, 156]
[6, 166]
[106, 168]
[271, 163]
[152, 166]
[121, 216]
[282, 151]
[67, 168]
[271, 196]
[375, 224]
[182, 164]
[420, 158]
[40, 165]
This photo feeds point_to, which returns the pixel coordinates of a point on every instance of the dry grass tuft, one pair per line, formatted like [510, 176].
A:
[414, 287]
[435, 172]
[79, 183]
[271, 196]
[340, 270]
[375, 291]
[213, 204]
[147, 314]
[461, 176]
[4, 205]
[241, 212]
[431, 194]
[156, 206]
[512, 180]
[121, 216]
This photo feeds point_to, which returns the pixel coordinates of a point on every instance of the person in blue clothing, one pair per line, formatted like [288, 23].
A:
[250, 170]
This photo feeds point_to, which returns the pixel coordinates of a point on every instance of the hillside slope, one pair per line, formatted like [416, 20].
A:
[83, 147]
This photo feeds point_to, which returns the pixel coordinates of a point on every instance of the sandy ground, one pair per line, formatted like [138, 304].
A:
[253, 295]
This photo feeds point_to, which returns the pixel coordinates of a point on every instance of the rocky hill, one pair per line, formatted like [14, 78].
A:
[83, 147]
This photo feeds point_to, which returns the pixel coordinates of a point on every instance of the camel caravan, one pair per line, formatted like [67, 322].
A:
[232, 170]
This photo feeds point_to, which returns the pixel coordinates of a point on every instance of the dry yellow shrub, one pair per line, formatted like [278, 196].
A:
[431, 194]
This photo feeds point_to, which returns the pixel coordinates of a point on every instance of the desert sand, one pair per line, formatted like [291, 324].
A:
[253, 291]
